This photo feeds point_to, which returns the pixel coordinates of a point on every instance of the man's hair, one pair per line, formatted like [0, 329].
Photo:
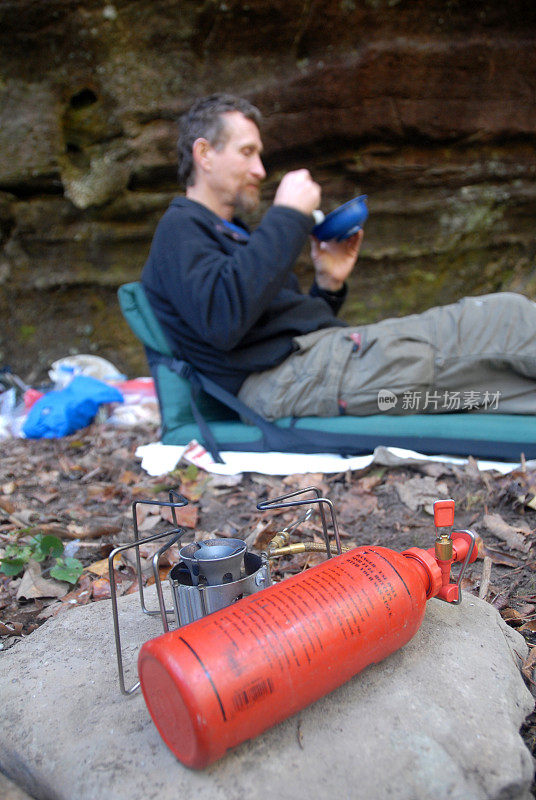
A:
[204, 120]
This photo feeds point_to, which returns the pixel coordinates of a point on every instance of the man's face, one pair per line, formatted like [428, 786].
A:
[236, 170]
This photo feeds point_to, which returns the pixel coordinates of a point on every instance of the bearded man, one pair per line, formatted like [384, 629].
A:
[230, 305]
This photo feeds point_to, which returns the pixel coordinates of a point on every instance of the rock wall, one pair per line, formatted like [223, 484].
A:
[428, 106]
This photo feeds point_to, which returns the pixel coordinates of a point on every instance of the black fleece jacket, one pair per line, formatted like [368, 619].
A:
[228, 303]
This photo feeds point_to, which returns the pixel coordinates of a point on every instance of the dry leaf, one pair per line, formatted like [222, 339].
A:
[99, 567]
[150, 522]
[128, 477]
[261, 535]
[45, 497]
[434, 469]
[311, 559]
[472, 467]
[163, 572]
[369, 482]
[531, 503]
[499, 601]
[528, 626]
[468, 584]
[55, 529]
[144, 510]
[7, 505]
[101, 589]
[511, 616]
[26, 517]
[528, 664]
[514, 537]
[52, 610]
[33, 585]
[355, 505]
[148, 550]
[93, 529]
[499, 558]
[187, 516]
[418, 492]
[225, 481]
[78, 513]
[139, 492]
[299, 481]
[81, 595]
[231, 502]
[193, 490]
[11, 628]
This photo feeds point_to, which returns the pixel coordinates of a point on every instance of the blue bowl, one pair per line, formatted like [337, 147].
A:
[344, 221]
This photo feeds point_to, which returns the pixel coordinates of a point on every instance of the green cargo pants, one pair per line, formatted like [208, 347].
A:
[475, 355]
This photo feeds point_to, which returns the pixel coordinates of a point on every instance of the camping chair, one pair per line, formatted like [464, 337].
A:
[194, 407]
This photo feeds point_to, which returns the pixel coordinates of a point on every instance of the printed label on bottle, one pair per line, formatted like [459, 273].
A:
[319, 623]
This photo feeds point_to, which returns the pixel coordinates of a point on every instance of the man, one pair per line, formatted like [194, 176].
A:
[230, 305]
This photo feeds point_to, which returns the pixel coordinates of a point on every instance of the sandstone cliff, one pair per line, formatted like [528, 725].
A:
[427, 106]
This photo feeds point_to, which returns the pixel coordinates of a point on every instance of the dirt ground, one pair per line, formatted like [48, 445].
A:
[75, 494]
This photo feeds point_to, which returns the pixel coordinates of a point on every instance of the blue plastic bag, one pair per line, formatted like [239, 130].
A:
[64, 411]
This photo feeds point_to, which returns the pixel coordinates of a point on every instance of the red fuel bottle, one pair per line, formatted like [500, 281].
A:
[227, 677]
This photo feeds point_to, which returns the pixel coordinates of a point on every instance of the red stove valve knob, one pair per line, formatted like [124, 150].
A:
[444, 513]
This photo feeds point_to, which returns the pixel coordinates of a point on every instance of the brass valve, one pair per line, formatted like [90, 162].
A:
[443, 547]
[282, 538]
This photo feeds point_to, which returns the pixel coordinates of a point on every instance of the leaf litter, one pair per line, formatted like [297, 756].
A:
[80, 490]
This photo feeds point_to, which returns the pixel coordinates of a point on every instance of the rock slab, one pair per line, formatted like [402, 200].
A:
[10, 791]
[439, 718]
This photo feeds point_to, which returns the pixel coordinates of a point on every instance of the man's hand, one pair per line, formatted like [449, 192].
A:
[298, 190]
[334, 261]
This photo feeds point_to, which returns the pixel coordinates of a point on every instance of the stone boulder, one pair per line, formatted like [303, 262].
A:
[439, 718]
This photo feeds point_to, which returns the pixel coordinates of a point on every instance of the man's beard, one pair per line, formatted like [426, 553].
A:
[247, 200]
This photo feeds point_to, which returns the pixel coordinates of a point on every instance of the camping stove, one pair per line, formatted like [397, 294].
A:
[211, 574]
